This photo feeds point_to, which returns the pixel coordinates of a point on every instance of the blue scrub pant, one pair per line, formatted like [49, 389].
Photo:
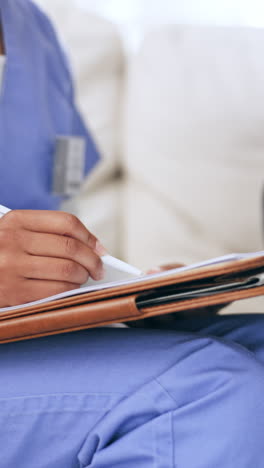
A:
[190, 397]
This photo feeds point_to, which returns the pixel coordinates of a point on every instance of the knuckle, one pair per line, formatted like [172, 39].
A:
[70, 270]
[12, 239]
[8, 237]
[4, 236]
[4, 261]
[72, 222]
[71, 246]
[12, 217]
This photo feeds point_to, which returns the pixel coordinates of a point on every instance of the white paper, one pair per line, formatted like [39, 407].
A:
[115, 270]
[138, 279]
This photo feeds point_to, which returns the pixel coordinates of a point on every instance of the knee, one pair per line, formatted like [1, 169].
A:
[220, 374]
[218, 396]
[244, 397]
[244, 375]
[240, 411]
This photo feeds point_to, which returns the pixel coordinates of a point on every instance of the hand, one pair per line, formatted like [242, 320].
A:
[43, 253]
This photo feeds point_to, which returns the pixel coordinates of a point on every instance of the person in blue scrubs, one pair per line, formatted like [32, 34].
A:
[191, 396]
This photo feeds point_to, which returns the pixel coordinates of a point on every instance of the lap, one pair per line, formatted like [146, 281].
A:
[125, 397]
[120, 360]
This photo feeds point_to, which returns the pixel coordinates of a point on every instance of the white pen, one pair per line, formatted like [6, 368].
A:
[3, 210]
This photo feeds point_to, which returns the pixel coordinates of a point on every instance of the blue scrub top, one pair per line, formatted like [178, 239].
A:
[36, 106]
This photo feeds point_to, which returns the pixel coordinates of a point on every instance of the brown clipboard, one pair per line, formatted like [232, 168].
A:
[123, 303]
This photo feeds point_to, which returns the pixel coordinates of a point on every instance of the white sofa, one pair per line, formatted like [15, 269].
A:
[183, 169]
[194, 146]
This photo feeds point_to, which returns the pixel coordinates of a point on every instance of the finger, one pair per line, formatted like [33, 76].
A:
[53, 222]
[54, 269]
[171, 266]
[52, 245]
[35, 290]
[154, 270]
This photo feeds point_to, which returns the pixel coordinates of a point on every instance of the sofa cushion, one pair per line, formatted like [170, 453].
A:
[194, 137]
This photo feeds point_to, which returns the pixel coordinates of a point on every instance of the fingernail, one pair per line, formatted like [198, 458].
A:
[100, 249]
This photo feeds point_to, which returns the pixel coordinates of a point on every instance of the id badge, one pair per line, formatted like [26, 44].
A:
[69, 165]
